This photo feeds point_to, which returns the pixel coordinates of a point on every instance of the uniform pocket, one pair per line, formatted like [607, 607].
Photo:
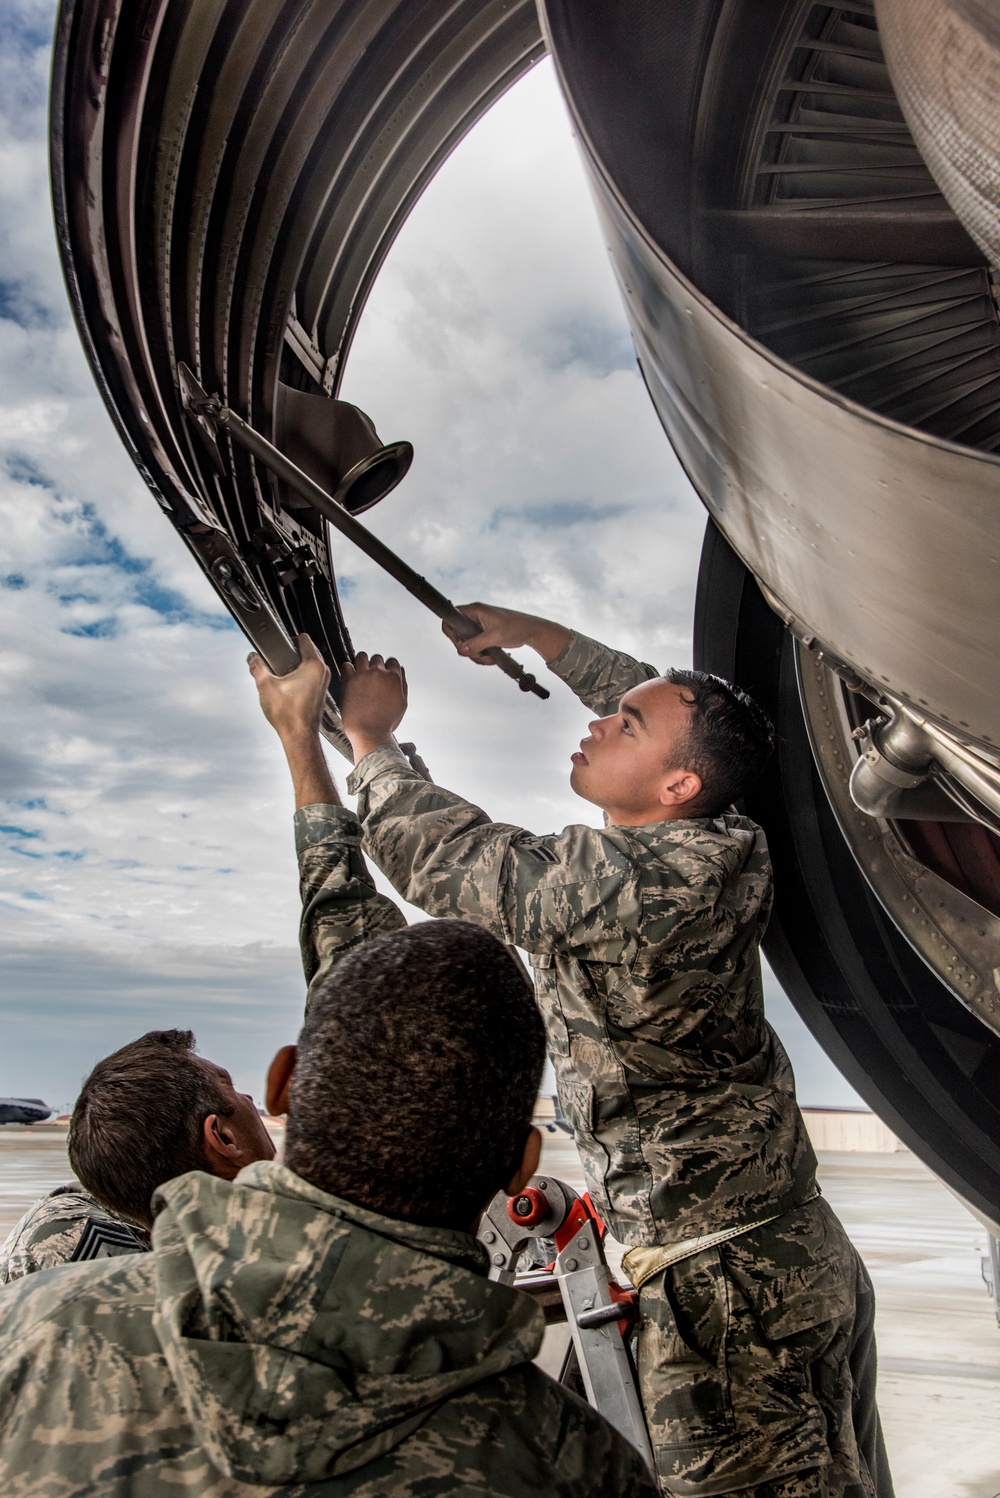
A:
[796, 1274]
[547, 998]
[681, 1355]
[782, 1316]
[577, 1101]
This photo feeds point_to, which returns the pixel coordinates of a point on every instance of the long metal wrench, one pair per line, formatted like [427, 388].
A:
[210, 408]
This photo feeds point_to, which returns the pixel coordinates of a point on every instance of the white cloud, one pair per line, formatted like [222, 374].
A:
[146, 868]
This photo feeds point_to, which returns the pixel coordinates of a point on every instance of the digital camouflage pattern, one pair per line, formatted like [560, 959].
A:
[280, 1340]
[645, 947]
[341, 908]
[644, 943]
[756, 1363]
[67, 1227]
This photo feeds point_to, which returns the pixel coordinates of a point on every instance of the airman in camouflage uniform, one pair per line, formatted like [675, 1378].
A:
[280, 1340]
[67, 1227]
[755, 1308]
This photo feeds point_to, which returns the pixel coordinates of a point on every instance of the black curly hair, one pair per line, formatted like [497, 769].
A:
[729, 741]
[417, 1072]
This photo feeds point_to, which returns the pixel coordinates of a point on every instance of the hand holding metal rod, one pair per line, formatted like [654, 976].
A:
[209, 408]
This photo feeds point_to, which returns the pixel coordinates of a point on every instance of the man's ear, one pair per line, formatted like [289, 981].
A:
[279, 1080]
[529, 1163]
[680, 788]
[222, 1150]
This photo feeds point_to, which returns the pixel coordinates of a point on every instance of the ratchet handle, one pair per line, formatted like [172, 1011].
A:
[512, 668]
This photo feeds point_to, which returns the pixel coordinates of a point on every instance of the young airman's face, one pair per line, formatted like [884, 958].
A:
[631, 764]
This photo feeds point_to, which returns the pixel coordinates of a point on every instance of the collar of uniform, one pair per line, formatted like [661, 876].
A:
[385, 757]
[276, 1179]
[315, 824]
[727, 824]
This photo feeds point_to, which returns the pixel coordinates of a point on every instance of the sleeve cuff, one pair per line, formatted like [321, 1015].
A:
[385, 757]
[319, 823]
[574, 657]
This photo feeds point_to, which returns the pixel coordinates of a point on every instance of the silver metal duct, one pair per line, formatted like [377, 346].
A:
[944, 61]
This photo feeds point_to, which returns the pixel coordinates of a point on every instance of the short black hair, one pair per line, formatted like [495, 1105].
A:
[138, 1120]
[417, 1073]
[729, 741]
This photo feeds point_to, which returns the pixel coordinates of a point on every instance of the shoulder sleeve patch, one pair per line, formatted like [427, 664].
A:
[536, 850]
[103, 1239]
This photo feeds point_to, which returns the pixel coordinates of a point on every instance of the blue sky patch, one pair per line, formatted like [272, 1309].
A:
[154, 595]
[23, 471]
[174, 607]
[101, 629]
[17, 305]
[67, 598]
[102, 549]
[26, 28]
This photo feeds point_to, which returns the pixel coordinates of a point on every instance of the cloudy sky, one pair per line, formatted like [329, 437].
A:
[147, 877]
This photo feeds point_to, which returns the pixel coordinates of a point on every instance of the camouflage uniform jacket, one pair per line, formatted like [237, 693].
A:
[67, 1227]
[341, 908]
[280, 1340]
[644, 942]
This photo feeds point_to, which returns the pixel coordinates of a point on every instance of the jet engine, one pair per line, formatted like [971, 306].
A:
[802, 228]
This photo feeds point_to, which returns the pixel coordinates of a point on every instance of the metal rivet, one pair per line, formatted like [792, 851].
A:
[583, 1243]
[570, 1264]
[489, 1237]
[498, 1258]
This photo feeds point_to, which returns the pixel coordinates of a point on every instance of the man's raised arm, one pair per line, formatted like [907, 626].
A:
[575, 892]
[595, 673]
[340, 906]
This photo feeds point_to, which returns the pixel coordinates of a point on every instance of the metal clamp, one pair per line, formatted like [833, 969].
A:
[599, 1313]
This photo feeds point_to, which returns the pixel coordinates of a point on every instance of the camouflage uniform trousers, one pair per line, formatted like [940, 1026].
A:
[756, 1365]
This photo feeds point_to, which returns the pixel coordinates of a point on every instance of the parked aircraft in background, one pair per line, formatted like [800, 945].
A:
[24, 1110]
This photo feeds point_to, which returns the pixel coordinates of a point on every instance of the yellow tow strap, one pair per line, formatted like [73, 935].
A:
[640, 1264]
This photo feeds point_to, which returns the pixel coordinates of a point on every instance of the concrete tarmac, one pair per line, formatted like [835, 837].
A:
[939, 1343]
[32, 1162]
